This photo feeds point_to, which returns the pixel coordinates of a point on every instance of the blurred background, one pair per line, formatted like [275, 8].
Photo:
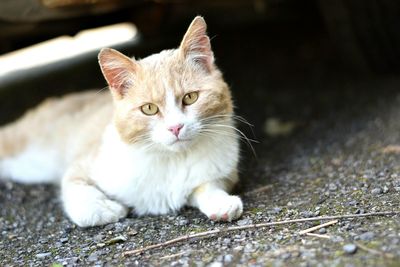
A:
[272, 52]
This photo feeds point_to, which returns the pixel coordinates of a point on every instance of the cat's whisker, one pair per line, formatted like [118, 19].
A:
[235, 129]
[140, 138]
[217, 133]
[148, 146]
[243, 120]
[220, 117]
[212, 134]
[241, 134]
[141, 141]
[231, 116]
[227, 133]
[102, 89]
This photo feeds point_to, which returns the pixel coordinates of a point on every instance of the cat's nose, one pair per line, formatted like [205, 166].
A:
[175, 129]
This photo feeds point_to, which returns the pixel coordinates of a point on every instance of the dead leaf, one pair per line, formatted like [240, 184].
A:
[391, 149]
[275, 127]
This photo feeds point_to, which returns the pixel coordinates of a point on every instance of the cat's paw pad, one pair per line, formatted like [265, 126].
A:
[98, 212]
[226, 209]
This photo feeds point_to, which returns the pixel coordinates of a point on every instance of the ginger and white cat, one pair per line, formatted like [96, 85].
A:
[165, 139]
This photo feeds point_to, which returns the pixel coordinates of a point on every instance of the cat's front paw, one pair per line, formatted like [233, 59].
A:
[96, 212]
[226, 208]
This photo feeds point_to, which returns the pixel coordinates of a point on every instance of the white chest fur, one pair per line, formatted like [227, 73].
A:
[158, 183]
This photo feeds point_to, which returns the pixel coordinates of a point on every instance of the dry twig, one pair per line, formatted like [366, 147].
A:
[374, 251]
[173, 255]
[395, 149]
[274, 253]
[312, 229]
[251, 226]
[318, 235]
[259, 190]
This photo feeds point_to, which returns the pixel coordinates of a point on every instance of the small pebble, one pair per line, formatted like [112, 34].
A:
[132, 232]
[377, 191]
[98, 237]
[350, 248]
[360, 211]
[228, 258]
[109, 227]
[116, 239]
[307, 214]
[93, 257]
[238, 248]
[183, 222]
[322, 231]
[332, 187]
[396, 182]
[249, 248]
[100, 245]
[215, 264]
[352, 203]
[227, 241]
[385, 189]
[43, 255]
[74, 260]
[367, 236]
[337, 239]
[286, 255]
[275, 210]
[245, 221]
[68, 229]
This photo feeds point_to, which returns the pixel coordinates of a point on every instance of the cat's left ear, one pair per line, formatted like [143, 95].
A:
[196, 45]
[119, 71]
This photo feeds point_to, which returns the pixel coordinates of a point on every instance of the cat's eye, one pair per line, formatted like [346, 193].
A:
[149, 109]
[190, 98]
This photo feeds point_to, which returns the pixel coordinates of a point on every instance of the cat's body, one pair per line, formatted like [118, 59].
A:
[166, 140]
[41, 145]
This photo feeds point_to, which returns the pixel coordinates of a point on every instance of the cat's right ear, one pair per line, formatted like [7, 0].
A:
[119, 71]
[196, 44]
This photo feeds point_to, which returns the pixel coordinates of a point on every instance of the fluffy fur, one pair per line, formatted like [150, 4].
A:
[112, 156]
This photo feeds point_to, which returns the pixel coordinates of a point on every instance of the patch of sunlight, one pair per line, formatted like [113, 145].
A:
[64, 47]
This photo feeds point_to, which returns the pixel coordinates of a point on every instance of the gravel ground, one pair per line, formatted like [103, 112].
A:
[341, 162]
[333, 148]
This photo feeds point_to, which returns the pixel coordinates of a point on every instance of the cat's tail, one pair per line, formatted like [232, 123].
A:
[24, 159]
[11, 141]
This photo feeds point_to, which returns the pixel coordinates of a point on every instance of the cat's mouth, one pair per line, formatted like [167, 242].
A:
[179, 144]
[180, 140]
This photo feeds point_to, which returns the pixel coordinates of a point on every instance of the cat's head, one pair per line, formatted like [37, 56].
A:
[171, 98]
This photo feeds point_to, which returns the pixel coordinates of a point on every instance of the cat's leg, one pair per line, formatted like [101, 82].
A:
[85, 204]
[212, 199]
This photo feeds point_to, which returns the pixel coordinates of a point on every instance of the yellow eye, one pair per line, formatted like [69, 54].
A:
[149, 109]
[190, 98]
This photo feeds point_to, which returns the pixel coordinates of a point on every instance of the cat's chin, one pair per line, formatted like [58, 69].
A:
[179, 145]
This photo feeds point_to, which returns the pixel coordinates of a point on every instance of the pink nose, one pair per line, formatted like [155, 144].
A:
[176, 129]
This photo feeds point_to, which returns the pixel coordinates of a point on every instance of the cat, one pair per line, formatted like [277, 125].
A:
[164, 138]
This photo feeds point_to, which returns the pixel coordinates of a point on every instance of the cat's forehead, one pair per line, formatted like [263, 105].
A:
[161, 74]
[163, 61]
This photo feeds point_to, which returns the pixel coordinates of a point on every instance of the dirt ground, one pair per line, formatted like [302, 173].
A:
[328, 144]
